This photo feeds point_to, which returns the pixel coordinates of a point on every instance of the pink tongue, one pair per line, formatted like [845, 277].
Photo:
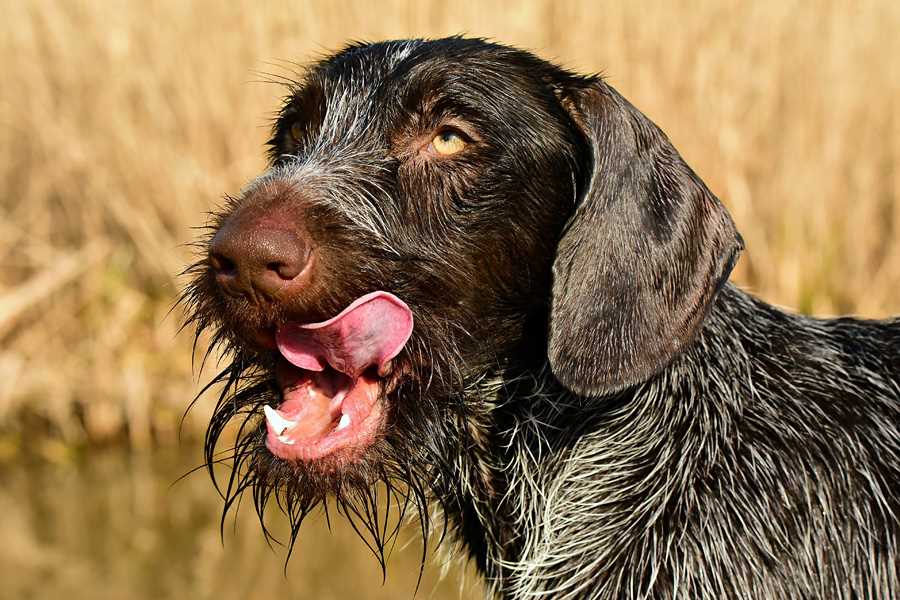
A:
[371, 331]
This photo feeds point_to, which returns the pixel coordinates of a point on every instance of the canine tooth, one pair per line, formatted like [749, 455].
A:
[344, 422]
[286, 440]
[278, 423]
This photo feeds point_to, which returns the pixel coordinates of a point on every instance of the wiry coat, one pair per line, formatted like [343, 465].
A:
[764, 462]
[595, 410]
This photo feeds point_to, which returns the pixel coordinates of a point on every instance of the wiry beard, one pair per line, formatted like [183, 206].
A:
[412, 472]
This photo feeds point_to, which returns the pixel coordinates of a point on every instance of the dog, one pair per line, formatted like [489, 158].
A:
[472, 281]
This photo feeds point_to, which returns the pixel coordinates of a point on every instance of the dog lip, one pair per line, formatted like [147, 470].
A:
[332, 375]
[265, 338]
[323, 413]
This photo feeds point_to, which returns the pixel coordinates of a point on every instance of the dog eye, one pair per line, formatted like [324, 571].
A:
[448, 142]
[296, 131]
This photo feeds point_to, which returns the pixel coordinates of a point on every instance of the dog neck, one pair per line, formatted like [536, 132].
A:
[560, 487]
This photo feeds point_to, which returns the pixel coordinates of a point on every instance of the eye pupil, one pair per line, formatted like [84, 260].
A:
[448, 142]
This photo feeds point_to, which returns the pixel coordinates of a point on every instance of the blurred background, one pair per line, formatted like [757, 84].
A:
[121, 123]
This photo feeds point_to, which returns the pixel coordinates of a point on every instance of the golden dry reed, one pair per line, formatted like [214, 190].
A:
[121, 123]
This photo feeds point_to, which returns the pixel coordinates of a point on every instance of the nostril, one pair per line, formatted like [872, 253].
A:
[253, 259]
[221, 263]
[285, 270]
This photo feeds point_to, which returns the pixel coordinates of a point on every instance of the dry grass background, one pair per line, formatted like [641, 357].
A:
[122, 122]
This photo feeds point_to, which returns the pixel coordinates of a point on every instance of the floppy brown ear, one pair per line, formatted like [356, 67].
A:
[641, 259]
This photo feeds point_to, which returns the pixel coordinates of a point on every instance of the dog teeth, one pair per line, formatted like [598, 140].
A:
[344, 422]
[278, 423]
[286, 440]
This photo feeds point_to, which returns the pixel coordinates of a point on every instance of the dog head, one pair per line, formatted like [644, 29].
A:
[436, 213]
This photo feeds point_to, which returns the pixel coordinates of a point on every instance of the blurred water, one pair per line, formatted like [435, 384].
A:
[116, 525]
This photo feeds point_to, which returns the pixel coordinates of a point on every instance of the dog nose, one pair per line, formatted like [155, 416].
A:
[252, 259]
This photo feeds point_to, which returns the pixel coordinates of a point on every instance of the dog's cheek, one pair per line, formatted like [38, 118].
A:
[489, 223]
[427, 193]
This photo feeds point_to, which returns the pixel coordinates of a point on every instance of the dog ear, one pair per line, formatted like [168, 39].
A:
[643, 256]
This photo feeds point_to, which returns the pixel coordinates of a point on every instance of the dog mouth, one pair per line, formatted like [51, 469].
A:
[332, 379]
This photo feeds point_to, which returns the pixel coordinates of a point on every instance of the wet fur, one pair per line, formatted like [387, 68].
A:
[596, 413]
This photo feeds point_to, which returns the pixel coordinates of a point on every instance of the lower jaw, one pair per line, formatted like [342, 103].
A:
[337, 446]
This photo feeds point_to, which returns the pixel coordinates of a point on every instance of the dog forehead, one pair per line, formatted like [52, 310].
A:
[366, 96]
[398, 57]
[401, 70]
